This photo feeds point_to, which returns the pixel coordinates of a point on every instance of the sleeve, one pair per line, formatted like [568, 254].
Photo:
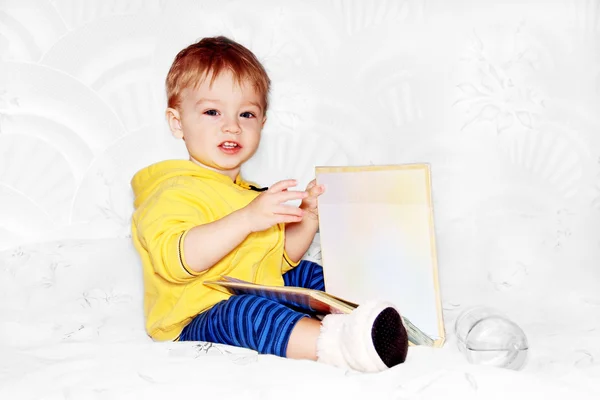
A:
[162, 224]
[287, 263]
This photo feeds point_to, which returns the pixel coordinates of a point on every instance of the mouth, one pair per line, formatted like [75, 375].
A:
[230, 145]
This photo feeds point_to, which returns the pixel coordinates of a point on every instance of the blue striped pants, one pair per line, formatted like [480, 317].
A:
[255, 322]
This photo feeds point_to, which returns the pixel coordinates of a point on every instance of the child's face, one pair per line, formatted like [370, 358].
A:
[221, 124]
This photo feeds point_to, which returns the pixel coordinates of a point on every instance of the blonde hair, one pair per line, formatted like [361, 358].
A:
[211, 56]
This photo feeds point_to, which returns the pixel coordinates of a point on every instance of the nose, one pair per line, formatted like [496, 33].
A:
[231, 125]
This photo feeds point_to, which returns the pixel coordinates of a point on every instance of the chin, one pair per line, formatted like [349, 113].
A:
[233, 164]
[227, 166]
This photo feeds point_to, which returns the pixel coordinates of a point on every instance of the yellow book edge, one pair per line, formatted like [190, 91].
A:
[319, 301]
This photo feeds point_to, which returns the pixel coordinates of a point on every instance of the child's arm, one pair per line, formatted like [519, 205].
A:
[299, 235]
[205, 245]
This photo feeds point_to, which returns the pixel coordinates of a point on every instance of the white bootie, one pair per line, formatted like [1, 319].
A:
[370, 339]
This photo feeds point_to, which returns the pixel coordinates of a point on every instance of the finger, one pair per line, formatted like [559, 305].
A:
[309, 203]
[316, 190]
[311, 184]
[282, 185]
[289, 195]
[286, 209]
[288, 219]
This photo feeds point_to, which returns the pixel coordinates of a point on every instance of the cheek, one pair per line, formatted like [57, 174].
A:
[194, 140]
[252, 126]
[199, 141]
[255, 137]
[195, 128]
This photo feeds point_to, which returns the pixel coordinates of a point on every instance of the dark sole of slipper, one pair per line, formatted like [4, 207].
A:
[389, 337]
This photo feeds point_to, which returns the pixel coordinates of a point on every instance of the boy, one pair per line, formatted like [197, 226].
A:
[197, 219]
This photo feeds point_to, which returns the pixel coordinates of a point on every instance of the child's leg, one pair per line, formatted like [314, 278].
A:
[256, 323]
[307, 274]
[303, 339]
[371, 338]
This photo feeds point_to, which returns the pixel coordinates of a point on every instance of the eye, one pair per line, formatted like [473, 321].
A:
[247, 114]
[212, 113]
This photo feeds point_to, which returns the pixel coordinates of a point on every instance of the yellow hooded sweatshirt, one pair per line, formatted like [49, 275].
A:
[171, 197]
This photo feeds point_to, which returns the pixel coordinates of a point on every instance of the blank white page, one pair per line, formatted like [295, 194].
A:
[377, 239]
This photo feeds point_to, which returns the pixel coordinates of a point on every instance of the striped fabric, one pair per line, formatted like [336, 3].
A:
[307, 275]
[255, 322]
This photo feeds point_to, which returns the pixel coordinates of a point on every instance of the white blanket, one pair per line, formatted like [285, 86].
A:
[71, 327]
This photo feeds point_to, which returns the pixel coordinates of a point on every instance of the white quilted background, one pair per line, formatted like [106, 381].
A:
[501, 98]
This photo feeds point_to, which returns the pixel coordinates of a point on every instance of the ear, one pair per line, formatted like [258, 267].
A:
[263, 122]
[174, 121]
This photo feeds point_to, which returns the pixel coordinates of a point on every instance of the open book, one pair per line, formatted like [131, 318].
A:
[319, 302]
[377, 242]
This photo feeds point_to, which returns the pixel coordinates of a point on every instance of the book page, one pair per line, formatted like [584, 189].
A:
[305, 300]
[377, 239]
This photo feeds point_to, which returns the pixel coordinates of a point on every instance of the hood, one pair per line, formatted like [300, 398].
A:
[145, 182]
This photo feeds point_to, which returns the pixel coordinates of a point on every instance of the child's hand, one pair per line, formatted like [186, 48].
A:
[309, 204]
[267, 209]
